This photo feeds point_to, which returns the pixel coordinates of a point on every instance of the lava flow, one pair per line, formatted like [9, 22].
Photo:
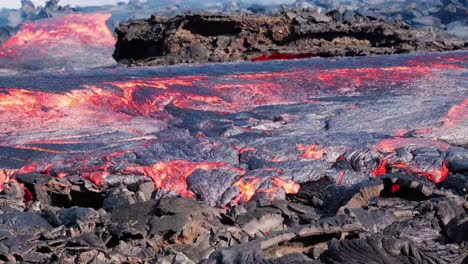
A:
[313, 152]
[457, 114]
[70, 41]
[173, 175]
[231, 126]
[282, 56]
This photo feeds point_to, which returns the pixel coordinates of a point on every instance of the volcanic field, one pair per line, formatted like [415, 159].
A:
[320, 160]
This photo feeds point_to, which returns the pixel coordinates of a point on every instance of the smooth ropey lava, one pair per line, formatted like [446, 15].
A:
[322, 160]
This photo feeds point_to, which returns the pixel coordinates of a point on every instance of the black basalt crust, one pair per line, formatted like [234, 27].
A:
[292, 34]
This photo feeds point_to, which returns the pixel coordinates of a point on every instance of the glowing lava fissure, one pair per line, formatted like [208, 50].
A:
[60, 34]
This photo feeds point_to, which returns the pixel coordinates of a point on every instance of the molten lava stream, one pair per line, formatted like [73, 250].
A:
[457, 114]
[435, 175]
[173, 175]
[248, 188]
[65, 34]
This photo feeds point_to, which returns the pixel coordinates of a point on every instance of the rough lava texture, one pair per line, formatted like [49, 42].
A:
[326, 160]
[291, 34]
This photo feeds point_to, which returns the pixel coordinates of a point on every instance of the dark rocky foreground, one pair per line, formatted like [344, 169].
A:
[291, 34]
[326, 160]
[392, 219]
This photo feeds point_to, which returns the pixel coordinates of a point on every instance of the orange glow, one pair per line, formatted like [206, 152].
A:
[390, 145]
[277, 160]
[289, 187]
[395, 188]
[31, 117]
[44, 36]
[434, 175]
[243, 150]
[340, 180]
[116, 154]
[157, 83]
[313, 152]
[5, 176]
[348, 78]
[282, 56]
[248, 187]
[457, 114]
[27, 195]
[381, 169]
[42, 149]
[399, 133]
[173, 175]
[97, 177]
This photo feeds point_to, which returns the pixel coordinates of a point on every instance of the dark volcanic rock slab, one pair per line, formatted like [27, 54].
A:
[292, 34]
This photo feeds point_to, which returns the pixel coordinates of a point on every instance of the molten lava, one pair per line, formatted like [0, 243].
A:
[313, 152]
[435, 175]
[248, 187]
[98, 119]
[173, 175]
[64, 36]
[391, 144]
[381, 169]
[289, 187]
[395, 188]
[457, 114]
[27, 195]
[5, 176]
[248, 149]
[282, 56]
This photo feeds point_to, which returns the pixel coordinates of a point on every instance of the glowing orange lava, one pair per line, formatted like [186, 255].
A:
[44, 36]
[395, 188]
[347, 78]
[282, 56]
[136, 107]
[313, 152]
[173, 175]
[435, 175]
[457, 114]
[97, 177]
[391, 144]
[248, 188]
[381, 169]
[340, 179]
[289, 187]
[5, 176]
[243, 150]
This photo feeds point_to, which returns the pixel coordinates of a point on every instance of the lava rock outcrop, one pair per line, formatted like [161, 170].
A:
[418, 222]
[291, 34]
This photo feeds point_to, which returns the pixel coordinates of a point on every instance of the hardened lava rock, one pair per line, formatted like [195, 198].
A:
[292, 34]
[396, 218]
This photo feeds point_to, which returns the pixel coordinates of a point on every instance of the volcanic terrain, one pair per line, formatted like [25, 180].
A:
[318, 160]
[91, 157]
